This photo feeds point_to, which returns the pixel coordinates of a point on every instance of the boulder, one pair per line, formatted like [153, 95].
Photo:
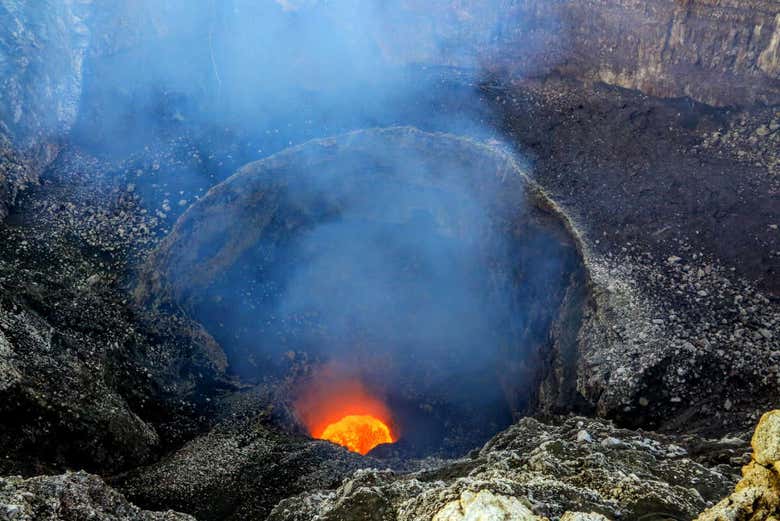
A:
[532, 471]
[71, 497]
[757, 496]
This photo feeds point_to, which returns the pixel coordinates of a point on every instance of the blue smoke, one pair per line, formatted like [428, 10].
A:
[405, 272]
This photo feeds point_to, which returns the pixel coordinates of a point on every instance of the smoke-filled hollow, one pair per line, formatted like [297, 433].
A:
[423, 266]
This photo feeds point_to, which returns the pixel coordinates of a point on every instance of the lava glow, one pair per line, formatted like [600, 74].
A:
[358, 433]
[343, 411]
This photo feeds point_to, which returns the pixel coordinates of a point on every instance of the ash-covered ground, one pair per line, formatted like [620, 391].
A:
[676, 207]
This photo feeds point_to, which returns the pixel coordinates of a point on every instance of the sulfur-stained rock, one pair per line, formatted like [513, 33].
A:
[757, 496]
[766, 439]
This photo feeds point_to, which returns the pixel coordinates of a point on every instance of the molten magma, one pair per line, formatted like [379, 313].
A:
[340, 409]
[358, 433]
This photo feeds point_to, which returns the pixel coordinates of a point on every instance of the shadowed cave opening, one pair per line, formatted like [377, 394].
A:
[423, 272]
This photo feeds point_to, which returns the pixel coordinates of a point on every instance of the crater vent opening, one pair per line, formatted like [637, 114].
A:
[424, 270]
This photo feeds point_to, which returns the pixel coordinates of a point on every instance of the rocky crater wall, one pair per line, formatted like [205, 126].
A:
[720, 52]
[42, 50]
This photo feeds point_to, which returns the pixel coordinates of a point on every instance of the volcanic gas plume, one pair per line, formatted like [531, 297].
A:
[416, 268]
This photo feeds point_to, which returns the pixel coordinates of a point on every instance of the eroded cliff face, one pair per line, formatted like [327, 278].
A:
[42, 50]
[719, 52]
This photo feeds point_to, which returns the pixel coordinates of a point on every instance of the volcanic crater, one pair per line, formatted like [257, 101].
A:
[316, 266]
[355, 260]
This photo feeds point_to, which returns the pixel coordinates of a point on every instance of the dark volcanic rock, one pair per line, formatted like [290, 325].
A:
[238, 471]
[241, 470]
[680, 228]
[85, 380]
[42, 50]
[70, 497]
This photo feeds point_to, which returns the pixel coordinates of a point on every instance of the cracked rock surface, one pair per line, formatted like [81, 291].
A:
[534, 470]
[757, 495]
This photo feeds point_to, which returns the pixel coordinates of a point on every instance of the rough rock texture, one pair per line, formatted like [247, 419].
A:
[42, 50]
[238, 471]
[681, 243]
[721, 52]
[70, 497]
[757, 495]
[766, 440]
[85, 380]
[532, 469]
[484, 505]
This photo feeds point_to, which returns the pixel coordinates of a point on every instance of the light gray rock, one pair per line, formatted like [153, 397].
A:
[71, 497]
[532, 469]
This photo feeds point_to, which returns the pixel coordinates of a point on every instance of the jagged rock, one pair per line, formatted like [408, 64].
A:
[766, 439]
[85, 382]
[664, 48]
[757, 496]
[484, 505]
[533, 469]
[46, 387]
[42, 50]
[239, 471]
[71, 497]
[580, 516]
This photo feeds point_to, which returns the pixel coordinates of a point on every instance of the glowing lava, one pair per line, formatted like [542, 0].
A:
[336, 406]
[358, 433]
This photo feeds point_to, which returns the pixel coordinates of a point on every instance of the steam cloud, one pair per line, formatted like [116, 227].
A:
[401, 273]
[286, 70]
